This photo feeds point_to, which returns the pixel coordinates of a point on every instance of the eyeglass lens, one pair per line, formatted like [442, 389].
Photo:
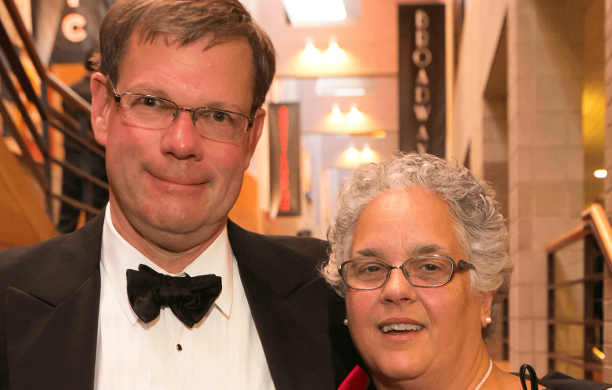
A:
[421, 271]
[157, 113]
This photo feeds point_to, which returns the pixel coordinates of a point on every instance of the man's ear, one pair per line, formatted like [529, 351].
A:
[252, 136]
[100, 107]
[485, 307]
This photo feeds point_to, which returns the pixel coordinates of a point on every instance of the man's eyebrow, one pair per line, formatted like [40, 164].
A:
[145, 90]
[225, 106]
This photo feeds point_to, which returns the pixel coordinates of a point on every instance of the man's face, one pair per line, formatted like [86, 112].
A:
[172, 182]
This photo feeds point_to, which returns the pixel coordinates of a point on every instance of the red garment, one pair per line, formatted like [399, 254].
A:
[356, 380]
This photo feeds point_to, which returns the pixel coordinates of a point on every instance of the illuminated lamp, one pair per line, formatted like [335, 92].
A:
[352, 153]
[367, 154]
[336, 115]
[311, 55]
[354, 115]
[597, 352]
[600, 173]
[334, 55]
[304, 13]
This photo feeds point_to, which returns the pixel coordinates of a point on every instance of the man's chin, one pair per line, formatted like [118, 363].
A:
[177, 234]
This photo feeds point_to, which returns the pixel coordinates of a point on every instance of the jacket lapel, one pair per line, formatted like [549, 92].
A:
[52, 322]
[289, 306]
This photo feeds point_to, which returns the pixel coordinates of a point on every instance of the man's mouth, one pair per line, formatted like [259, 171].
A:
[400, 328]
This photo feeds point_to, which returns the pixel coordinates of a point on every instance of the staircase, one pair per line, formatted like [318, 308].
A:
[28, 190]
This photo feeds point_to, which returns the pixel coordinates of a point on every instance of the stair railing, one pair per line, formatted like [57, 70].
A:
[50, 116]
[569, 319]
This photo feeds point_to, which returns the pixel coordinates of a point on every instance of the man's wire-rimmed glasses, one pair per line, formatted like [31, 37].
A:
[153, 112]
[422, 271]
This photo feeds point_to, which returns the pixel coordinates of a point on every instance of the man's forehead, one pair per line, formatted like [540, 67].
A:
[141, 41]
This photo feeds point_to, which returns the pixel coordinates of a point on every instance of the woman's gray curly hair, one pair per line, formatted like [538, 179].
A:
[480, 228]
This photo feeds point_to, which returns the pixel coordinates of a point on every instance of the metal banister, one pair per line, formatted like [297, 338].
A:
[596, 232]
[594, 222]
[50, 116]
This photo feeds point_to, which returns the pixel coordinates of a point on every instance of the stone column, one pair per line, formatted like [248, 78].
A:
[545, 161]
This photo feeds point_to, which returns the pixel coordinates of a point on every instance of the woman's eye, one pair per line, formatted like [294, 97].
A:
[372, 268]
[430, 267]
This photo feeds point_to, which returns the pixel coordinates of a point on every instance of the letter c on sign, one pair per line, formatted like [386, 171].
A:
[72, 27]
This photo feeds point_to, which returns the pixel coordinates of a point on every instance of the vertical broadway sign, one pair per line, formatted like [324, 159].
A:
[422, 79]
[284, 159]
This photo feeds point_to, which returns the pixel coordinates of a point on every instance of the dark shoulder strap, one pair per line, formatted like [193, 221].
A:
[532, 377]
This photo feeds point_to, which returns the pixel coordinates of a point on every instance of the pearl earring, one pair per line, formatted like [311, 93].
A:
[488, 320]
[345, 322]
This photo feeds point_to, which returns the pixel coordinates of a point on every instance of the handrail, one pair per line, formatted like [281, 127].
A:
[50, 116]
[596, 222]
[601, 227]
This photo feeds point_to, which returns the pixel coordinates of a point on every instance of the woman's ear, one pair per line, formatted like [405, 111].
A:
[485, 308]
[100, 107]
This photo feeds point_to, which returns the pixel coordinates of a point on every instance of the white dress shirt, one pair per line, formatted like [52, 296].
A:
[222, 351]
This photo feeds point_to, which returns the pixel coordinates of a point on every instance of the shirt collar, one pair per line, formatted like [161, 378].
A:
[118, 256]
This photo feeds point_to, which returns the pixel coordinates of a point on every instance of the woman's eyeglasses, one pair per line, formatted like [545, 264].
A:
[422, 271]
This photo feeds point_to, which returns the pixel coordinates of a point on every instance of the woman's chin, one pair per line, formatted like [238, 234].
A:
[398, 367]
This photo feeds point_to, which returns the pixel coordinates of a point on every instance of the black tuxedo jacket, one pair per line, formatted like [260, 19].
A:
[50, 298]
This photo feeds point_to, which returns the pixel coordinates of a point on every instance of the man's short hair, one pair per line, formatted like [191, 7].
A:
[184, 22]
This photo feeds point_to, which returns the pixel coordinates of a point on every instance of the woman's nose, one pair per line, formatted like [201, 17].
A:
[397, 288]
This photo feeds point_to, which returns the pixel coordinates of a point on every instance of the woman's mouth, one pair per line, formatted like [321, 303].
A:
[400, 328]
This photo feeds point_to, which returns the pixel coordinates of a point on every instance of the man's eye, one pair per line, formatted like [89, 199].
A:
[219, 116]
[148, 101]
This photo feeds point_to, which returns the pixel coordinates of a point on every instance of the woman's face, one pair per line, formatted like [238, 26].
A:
[397, 226]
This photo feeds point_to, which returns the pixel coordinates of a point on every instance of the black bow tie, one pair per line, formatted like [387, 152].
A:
[188, 297]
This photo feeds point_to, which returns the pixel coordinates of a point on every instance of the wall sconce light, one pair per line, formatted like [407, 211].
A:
[367, 154]
[600, 173]
[352, 153]
[354, 115]
[336, 115]
[311, 54]
[333, 54]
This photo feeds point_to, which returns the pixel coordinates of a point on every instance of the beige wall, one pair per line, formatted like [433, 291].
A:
[370, 43]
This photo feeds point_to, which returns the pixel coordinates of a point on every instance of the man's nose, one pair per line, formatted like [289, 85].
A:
[181, 139]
